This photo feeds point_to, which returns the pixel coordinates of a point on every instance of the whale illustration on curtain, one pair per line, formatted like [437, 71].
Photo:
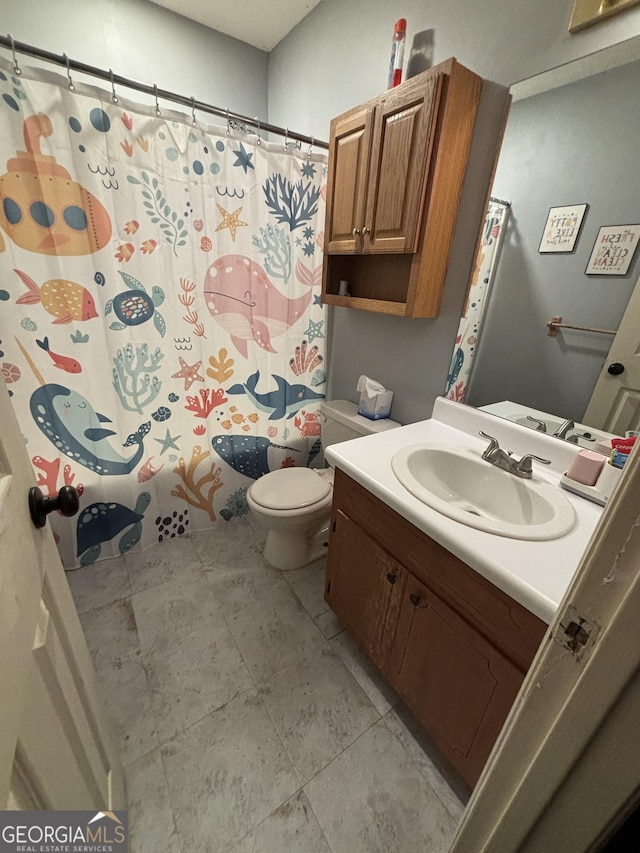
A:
[161, 328]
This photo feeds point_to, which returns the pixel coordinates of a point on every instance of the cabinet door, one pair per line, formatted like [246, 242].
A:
[347, 180]
[364, 588]
[457, 684]
[403, 134]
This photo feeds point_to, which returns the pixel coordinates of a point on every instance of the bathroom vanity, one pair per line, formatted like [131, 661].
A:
[451, 615]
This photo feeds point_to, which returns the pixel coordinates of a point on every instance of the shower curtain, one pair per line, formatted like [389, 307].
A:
[486, 262]
[161, 329]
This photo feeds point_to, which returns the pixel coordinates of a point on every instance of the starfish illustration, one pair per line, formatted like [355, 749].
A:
[315, 330]
[230, 221]
[167, 442]
[317, 299]
[308, 170]
[188, 372]
[244, 158]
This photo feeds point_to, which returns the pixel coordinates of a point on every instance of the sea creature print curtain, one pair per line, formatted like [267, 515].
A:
[161, 329]
[470, 327]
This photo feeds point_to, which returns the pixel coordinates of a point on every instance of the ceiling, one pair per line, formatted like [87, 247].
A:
[262, 24]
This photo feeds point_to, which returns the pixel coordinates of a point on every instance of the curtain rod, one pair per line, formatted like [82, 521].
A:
[74, 65]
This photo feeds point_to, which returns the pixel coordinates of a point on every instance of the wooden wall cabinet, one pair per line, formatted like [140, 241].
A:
[454, 646]
[397, 165]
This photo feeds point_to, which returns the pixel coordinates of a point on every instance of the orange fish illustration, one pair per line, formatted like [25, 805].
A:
[148, 246]
[127, 147]
[65, 300]
[131, 227]
[64, 362]
[42, 208]
[125, 251]
[148, 471]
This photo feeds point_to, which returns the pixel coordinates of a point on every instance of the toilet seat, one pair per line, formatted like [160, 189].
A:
[290, 488]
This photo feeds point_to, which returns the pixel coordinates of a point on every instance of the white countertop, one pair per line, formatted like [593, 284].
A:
[536, 574]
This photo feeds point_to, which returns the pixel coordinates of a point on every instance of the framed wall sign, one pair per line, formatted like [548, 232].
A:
[613, 250]
[562, 228]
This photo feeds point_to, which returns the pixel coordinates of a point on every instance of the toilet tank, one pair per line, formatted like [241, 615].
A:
[341, 422]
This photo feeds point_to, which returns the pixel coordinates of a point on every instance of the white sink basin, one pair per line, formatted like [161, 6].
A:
[459, 484]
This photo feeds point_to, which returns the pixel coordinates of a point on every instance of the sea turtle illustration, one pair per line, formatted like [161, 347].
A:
[101, 522]
[135, 306]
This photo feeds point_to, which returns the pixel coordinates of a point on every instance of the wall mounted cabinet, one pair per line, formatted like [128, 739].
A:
[454, 646]
[397, 165]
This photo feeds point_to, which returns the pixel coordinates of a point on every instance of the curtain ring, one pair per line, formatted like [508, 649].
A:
[286, 138]
[155, 92]
[259, 142]
[66, 59]
[193, 111]
[16, 68]
[114, 97]
[228, 125]
[309, 151]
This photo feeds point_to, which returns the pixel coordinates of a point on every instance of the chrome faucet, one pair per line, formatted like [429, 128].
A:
[564, 428]
[504, 460]
[540, 425]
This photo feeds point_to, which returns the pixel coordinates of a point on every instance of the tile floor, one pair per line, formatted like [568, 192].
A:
[248, 720]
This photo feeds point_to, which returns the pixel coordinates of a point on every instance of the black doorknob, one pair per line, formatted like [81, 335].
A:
[615, 368]
[67, 502]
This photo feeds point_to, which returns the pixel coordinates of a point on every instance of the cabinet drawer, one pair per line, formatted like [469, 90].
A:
[505, 623]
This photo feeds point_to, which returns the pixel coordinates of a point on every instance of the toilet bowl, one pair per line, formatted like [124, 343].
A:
[294, 504]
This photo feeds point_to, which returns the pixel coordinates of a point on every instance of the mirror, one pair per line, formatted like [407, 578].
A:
[571, 139]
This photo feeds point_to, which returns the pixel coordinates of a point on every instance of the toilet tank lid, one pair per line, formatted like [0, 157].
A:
[345, 412]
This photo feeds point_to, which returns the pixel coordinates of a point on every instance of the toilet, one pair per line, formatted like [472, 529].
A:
[294, 504]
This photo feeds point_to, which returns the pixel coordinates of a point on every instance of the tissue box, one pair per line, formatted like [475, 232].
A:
[375, 400]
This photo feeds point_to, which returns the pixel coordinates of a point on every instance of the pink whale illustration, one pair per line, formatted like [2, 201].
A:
[242, 299]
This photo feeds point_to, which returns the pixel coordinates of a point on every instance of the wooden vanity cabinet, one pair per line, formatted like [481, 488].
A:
[397, 165]
[455, 647]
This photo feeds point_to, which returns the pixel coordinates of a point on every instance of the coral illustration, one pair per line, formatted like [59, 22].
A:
[304, 359]
[275, 245]
[187, 299]
[132, 376]
[291, 203]
[160, 212]
[48, 479]
[221, 367]
[206, 402]
[193, 490]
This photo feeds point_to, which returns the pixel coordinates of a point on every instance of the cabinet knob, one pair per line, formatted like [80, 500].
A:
[615, 369]
[365, 230]
[355, 232]
[414, 599]
[391, 577]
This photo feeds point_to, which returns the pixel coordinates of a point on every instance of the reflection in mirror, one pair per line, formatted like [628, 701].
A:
[573, 144]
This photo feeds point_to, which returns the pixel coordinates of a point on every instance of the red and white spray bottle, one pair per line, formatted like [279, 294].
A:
[397, 53]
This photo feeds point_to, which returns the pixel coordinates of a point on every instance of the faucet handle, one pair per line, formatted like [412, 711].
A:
[524, 465]
[494, 445]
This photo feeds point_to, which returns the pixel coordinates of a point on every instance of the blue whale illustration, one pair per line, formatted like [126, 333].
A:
[247, 454]
[286, 401]
[70, 422]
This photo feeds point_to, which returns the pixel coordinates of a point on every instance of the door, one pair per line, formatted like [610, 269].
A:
[458, 685]
[364, 587]
[55, 750]
[403, 135]
[615, 403]
[347, 180]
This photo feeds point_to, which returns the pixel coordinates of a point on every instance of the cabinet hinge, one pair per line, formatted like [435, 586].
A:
[576, 633]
